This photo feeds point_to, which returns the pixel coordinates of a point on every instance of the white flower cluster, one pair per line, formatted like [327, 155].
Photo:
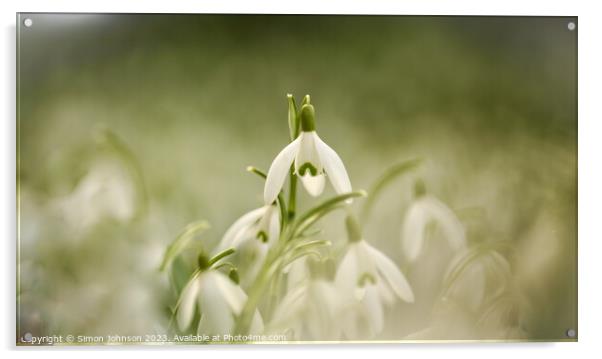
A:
[277, 286]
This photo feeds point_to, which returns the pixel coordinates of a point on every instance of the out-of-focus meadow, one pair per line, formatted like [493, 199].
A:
[132, 126]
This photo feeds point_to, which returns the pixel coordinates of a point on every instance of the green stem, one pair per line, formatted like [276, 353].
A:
[266, 273]
[292, 195]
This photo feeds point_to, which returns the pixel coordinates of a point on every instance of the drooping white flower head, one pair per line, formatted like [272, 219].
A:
[251, 236]
[312, 159]
[262, 224]
[311, 308]
[369, 279]
[427, 209]
[219, 301]
[106, 192]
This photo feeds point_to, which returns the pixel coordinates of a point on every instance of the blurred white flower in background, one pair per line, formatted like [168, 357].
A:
[426, 210]
[478, 299]
[312, 159]
[470, 275]
[368, 279]
[105, 192]
[297, 272]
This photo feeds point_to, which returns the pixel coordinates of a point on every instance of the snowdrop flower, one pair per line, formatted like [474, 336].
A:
[106, 192]
[252, 235]
[312, 159]
[296, 273]
[475, 277]
[311, 308]
[427, 209]
[369, 279]
[218, 299]
[262, 224]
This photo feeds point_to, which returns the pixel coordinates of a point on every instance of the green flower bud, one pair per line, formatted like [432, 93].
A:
[293, 119]
[308, 118]
[203, 262]
[354, 231]
[306, 100]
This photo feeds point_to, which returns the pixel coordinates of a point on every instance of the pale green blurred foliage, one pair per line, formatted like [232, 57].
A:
[488, 103]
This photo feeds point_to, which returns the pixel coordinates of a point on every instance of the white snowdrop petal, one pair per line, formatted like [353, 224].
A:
[307, 152]
[217, 316]
[256, 323]
[274, 226]
[347, 273]
[374, 309]
[230, 292]
[297, 272]
[279, 170]
[187, 303]
[328, 297]
[238, 227]
[313, 184]
[289, 308]
[349, 324]
[446, 218]
[242, 238]
[365, 261]
[386, 293]
[392, 275]
[249, 258]
[318, 318]
[412, 230]
[334, 167]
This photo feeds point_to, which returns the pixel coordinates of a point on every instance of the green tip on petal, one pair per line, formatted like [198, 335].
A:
[354, 231]
[262, 236]
[364, 279]
[419, 188]
[233, 275]
[203, 262]
[308, 118]
[308, 167]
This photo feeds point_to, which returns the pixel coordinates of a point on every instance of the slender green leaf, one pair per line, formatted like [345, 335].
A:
[308, 246]
[179, 273]
[320, 210]
[385, 179]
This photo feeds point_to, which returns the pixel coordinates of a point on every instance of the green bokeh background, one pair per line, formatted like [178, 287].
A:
[490, 103]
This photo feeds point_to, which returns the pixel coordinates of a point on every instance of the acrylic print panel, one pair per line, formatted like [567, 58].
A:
[194, 179]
